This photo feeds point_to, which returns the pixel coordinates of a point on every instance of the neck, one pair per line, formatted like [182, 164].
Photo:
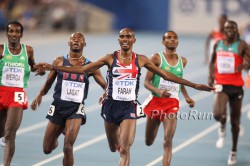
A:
[14, 46]
[230, 41]
[75, 56]
[126, 55]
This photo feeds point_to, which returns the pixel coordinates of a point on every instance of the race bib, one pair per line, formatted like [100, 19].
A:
[13, 76]
[172, 87]
[51, 110]
[72, 91]
[218, 88]
[225, 64]
[139, 110]
[19, 97]
[81, 110]
[124, 89]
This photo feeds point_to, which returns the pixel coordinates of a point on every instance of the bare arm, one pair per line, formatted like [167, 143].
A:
[99, 79]
[183, 89]
[106, 60]
[31, 60]
[244, 50]
[1, 51]
[48, 83]
[207, 46]
[190, 101]
[144, 61]
[211, 67]
[149, 76]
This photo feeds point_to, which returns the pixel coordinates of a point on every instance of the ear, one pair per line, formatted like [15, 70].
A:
[84, 44]
[134, 40]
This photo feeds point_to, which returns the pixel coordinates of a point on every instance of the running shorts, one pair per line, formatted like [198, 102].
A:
[158, 108]
[60, 111]
[12, 97]
[115, 111]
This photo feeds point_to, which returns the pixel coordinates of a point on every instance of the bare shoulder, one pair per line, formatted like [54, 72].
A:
[58, 61]
[107, 59]
[30, 51]
[156, 59]
[243, 43]
[184, 60]
[108, 56]
[243, 47]
[141, 58]
[29, 48]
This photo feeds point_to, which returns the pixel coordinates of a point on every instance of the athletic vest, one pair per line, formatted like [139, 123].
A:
[226, 63]
[71, 87]
[123, 80]
[160, 83]
[14, 69]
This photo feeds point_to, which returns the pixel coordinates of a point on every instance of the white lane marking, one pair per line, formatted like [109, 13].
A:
[83, 145]
[193, 139]
[196, 97]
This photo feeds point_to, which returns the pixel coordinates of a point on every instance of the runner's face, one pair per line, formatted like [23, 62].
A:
[77, 42]
[126, 39]
[170, 40]
[14, 33]
[230, 30]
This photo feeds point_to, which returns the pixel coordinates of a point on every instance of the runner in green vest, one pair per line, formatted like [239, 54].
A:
[16, 62]
[163, 103]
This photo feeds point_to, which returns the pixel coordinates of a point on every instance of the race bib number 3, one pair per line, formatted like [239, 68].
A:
[51, 110]
[19, 97]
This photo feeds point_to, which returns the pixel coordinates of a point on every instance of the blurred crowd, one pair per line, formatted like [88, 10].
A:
[39, 14]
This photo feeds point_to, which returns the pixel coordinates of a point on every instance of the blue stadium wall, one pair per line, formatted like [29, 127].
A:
[137, 14]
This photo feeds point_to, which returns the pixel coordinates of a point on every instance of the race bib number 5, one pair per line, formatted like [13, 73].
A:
[19, 97]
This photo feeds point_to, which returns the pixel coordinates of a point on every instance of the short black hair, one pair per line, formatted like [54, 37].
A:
[15, 23]
[163, 36]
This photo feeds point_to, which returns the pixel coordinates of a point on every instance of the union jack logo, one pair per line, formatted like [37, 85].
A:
[124, 71]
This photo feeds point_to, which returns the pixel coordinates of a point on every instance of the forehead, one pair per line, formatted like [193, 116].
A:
[230, 24]
[126, 32]
[170, 34]
[77, 35]
[14, 26]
